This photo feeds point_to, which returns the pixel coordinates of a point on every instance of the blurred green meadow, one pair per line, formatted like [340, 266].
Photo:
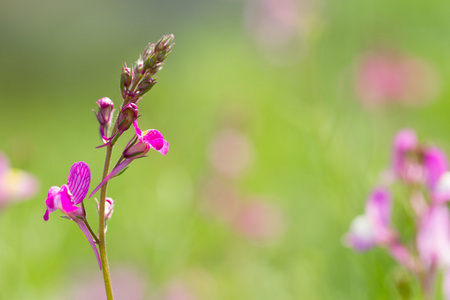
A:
[316, 149]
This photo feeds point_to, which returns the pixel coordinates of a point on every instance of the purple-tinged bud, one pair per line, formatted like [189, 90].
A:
[139, 66]
[145, 85]
[136, 149]
[109, 208]
[128, 115]
[105, 111]
[148, 51]
[125, 78]
[165, 43]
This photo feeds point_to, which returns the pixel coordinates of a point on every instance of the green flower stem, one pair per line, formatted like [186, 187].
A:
[101, 229]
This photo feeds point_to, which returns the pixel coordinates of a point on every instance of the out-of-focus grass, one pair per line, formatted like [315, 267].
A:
[317, 151]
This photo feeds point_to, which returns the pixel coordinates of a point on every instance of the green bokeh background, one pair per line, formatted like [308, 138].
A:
[318, 151]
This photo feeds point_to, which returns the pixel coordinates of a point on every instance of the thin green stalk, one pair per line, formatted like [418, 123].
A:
[101, 229]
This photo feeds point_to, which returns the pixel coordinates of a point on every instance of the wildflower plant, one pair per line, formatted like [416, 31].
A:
[422, 171]
[135, 81]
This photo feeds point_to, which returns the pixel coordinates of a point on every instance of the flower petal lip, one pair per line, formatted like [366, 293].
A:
[152, 137]
[66, 197]
[79, 181]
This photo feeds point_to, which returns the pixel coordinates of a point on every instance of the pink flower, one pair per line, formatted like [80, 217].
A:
[259, 220]
[384, 77]
[129, 283]
[281, 28]
[373, 227]
[138, 147]
[67, 198]
[230, 153]
[416, 164]
[15, 185]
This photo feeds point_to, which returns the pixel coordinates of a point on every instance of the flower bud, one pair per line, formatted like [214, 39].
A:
[145, 85]
[128, 115]
[109, 208]
[105, 111]
[135, 149]
[125, 78]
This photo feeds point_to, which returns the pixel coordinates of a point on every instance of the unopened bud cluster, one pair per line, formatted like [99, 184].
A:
[138, 79]
[135, 82]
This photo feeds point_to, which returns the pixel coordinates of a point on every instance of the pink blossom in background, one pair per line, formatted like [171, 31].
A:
[178, 290]
[230, 152]
[259, 220]
[281, 28]
[219, 199]
[386, 77]
[129, 284]
[253, 217]
[15, 185]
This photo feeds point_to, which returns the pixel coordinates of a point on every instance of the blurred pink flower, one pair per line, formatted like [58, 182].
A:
[385, 77]
[280, 28]
[373, 227]
[433, 237]
[253, 218]
[259, 220]
[128, 284]
[15, 185]
[230, 153]
[416, 164]
[178, 291]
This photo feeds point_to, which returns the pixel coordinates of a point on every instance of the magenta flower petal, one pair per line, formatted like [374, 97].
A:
[151, 135]
[64, 200]
[79, 180]
[137, 130]
[435, 164]
[156, 141]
